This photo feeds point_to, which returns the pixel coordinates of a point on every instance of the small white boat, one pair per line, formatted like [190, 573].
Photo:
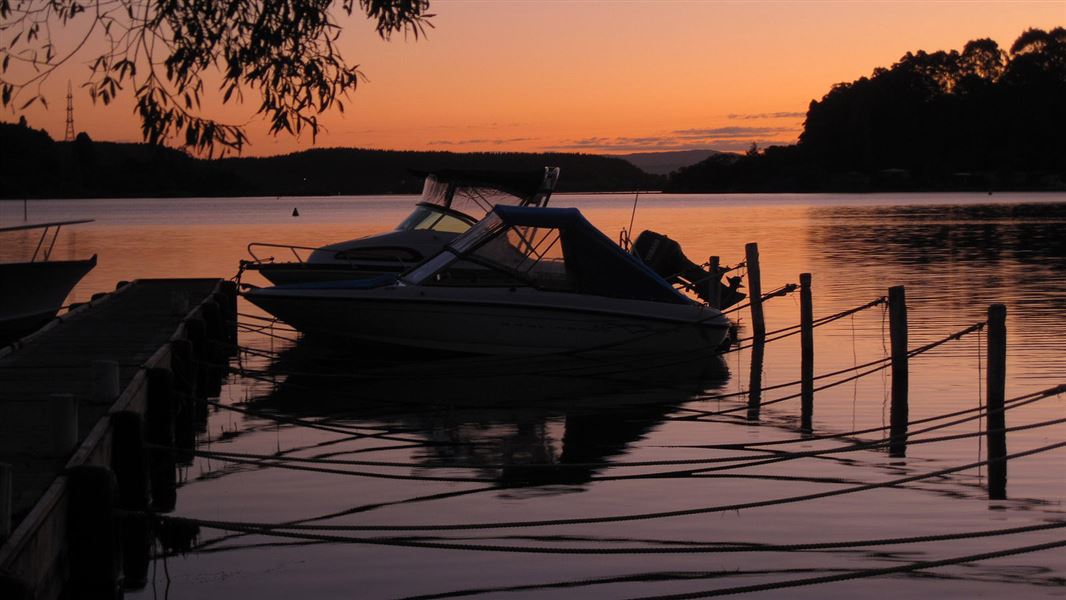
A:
[452, 201]
[33, 291]
[521, 281]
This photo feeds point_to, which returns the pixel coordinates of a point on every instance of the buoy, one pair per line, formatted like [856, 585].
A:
[295, 212]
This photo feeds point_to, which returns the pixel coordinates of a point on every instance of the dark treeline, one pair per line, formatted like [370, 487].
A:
[32, 165]
[982, 118]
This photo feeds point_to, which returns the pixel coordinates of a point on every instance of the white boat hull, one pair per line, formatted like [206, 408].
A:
[496, 320]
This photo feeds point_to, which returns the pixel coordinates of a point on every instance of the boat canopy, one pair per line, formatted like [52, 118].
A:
[475, 192]
[553, 249]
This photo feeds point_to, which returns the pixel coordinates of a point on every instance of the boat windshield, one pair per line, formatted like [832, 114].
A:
[474, 196]
[492, 254]
[435, 218]
[549, 249]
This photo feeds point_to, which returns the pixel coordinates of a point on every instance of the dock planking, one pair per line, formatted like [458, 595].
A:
[132, 327]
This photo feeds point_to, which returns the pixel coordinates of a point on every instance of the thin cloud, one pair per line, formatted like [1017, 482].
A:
[734, 132]
[719, 138]
[772, 115]
[480, 141]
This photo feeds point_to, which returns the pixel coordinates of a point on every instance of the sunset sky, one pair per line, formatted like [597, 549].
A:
[601, 76]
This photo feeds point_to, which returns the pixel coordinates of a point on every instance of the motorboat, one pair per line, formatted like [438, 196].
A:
[521, 281]
[452, 201]
[33, 291]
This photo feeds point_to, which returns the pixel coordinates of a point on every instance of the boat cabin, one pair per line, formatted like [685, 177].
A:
[550, 249]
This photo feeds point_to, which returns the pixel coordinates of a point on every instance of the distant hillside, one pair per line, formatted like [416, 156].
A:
[663, 163]
[358, 171]
[32, 165]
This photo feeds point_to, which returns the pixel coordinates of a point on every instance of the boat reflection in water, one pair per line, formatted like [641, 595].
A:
[509, 419]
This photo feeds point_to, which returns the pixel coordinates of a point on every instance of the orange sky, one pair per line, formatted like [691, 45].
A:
[603, 76]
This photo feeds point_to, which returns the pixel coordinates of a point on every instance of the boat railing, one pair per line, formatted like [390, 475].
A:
[290, 247]
[400, 258]
[47, 227]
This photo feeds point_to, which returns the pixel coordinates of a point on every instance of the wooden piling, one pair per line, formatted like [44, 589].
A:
[227, 290]
[713, 285]
[196, 333]
[806, 353]
[92, 543]
[755, 380]
[900, 410]
[5, 500]
[63, 417]
[217, 344]
[751, 253]
[129, 462]
[995, 424]
[105, 387]
[159, 414]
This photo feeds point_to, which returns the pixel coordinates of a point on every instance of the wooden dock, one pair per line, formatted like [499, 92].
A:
[60, 391]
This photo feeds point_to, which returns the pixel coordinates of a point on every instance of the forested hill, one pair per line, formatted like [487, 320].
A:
[33, 165]
[982, 118]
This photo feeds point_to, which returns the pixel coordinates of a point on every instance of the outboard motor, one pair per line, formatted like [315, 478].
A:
[664, 256]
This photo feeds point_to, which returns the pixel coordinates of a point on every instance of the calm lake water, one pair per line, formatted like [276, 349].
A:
[465, 437]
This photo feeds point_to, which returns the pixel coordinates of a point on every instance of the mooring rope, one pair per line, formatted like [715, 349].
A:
[349, 431]
[815, 323]
[696, 548]
[307, 463]
[886, 363]
[784, 290]
[679, 512]
[1008, 404]
[907, 568]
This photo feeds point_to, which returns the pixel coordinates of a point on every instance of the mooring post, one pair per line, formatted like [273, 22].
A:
[179, 303]
[713, 286]
[183, 364]
[212, 314]
[196, 333]
[105, 382]
[217, 347]
[92, 544]
[5, 500]
[806, 354]
[900, 411]
[129, 461]
[229, 290]
[159, 414]
[751, 254]
[228, 303]
[63, 417]
[755, 380]
[995, 424]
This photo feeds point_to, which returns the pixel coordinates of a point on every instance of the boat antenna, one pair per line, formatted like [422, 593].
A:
[633, 216]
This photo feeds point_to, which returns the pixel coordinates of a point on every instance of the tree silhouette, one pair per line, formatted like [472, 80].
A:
[163, 51]
[979, 118]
